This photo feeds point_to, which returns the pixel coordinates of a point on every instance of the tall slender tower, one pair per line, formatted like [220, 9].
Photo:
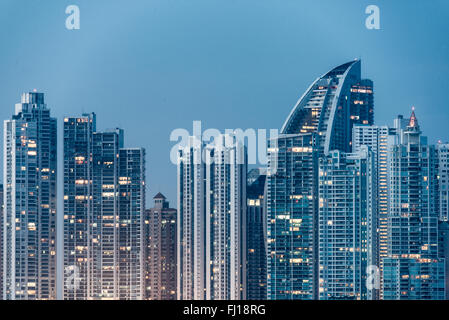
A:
[211, 220]
[130, 248]
[29, 220]
[291, 203]
[78, 208]
[104, 201]
[442, 150]
[443, 180]
[412, 269]
[347, 225]
[319, 123]
[160, 246]
[256, 257]
[378, 138]
[1, 241]
[191, 246]
[443, 252]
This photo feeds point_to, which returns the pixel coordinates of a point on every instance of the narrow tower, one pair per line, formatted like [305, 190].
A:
[29, 220]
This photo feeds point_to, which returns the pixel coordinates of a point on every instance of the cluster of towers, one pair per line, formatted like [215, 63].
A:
[345, 209]
[112, 248]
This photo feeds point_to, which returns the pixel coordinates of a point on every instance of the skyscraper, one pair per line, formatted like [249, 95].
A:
[1, 241]
[191, 219]
[347, 225]
[78, 206]
[29, 220]
[378, 138]
[291, 203]
[442, 150]
[104, 201]
[319, 123]
[131, 212]
[362, 103]
[412, 269]
[443, 252]
[325, 108]
[211, 220]
[160, 246]
[256, 279]
[443, 180]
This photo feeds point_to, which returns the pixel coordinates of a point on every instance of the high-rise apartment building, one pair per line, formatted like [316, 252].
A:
[443, 253]
[378, 139]
[443, 180]
[442, 150]
[291, 203]
[130, 277]
[347, 225]
[191, 219]
[412, 268]
[29, 219]
[256, 259]
[78, 206]
[319, 123]
[1, 241]
[362, 103]
[160, 246]
[211, 220]
[104, 201]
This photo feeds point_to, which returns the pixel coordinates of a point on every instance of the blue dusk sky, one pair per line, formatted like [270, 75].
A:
[151, 66]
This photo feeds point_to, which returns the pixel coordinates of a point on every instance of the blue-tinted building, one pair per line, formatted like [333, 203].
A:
[412, 268]
[256, 259]
[319, 123]
[347, 225]
[1, 241]
[443, 252]
[29, 219]
[212, 220]
[104, 203]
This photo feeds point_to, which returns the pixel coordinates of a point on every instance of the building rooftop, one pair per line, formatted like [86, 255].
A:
[159, 196]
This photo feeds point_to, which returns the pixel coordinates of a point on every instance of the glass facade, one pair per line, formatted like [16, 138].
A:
[211, 216]
[443, 180]
[347, 225]
[377, 139]
[104, 201]
[291, 202]
[256, 279]
[320, 122]
[412, 269]
[191, 268]
[362, 103]
[29, 218]
[78, 206]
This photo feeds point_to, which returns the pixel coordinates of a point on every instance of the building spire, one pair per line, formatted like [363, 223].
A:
[159, 196]
[413, 120]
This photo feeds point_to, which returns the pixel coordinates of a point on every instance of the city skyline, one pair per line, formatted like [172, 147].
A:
[350, 200]
[211, 65]
[105, 244]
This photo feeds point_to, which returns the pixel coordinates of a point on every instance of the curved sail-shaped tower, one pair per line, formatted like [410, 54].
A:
[324, 109]
[319, 123]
